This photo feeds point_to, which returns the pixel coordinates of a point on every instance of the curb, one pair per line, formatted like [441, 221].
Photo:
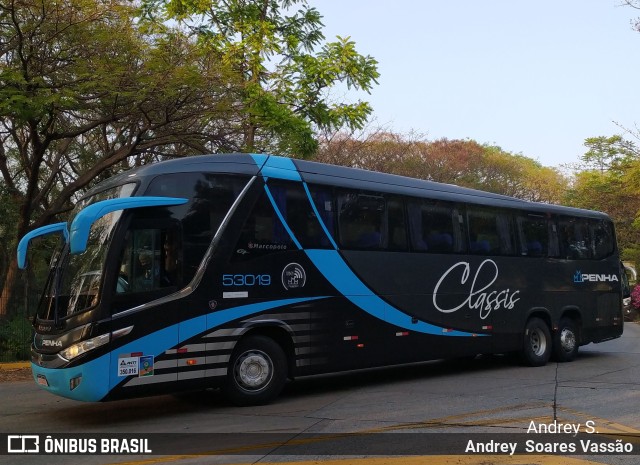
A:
[14, 365]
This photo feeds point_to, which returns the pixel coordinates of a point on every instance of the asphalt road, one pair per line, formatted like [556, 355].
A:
[433, 409]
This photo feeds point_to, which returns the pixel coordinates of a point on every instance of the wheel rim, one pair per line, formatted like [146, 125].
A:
[567, 340]
[253, 370]
[538, 342]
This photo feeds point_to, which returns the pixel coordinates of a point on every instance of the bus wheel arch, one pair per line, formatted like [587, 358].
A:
[536, 342]
[566, 338]
[258, 368]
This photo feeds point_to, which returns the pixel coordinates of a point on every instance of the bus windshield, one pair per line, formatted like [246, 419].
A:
[74, 282]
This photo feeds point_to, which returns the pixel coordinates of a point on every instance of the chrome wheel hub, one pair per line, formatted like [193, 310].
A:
[254, 370]
[538, 342]
[567, 340]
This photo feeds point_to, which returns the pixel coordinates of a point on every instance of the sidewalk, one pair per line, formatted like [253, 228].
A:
[14, 365]
[15, 371]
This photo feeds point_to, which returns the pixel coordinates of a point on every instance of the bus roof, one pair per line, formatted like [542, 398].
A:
[340, 176]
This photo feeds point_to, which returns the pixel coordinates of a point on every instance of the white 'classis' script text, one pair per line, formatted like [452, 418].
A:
[479, 296]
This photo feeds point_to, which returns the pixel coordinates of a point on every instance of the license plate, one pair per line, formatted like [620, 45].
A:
[42, 380]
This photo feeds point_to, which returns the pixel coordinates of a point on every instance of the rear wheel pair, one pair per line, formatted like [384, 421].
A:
[539, 346]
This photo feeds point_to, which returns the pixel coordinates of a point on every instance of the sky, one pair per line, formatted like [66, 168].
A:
[535, 78]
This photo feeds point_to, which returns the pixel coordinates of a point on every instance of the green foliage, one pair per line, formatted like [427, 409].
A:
[15, 339]
[86, 91]
[285, 71]
[609, 153]
[610, 182]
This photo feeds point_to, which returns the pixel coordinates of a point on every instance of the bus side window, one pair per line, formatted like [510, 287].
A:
[322, 197]
[575, 243]
[533, 232]
[434, 227]
[603, 238]
[293, 204]
[490, 232]
[151, 260]
[262, 233]
[397, 227]
[211, 196]
[361, 221]
[554, 240]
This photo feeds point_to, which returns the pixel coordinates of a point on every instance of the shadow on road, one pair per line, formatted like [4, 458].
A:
[104, 416]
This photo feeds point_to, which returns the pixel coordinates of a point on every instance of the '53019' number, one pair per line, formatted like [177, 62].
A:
[246, 280]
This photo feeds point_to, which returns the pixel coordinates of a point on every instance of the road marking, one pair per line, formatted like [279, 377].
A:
[508, 417]
[419, 460]
[610, 427]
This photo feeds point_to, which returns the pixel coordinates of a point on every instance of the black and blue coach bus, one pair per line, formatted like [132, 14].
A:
[241, 271]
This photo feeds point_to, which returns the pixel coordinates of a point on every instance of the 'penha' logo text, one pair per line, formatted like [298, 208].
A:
[580, 277]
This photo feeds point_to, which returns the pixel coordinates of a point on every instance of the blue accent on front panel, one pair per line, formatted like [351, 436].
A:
[100, 376]
[93, 387]
[337, 272]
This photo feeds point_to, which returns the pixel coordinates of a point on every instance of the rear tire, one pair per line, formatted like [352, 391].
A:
[257, 371]
[537, 343]
[566, 341]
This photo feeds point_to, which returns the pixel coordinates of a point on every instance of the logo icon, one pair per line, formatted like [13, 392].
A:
[146, 366]
[577, 277]
[23, 444]
[293, 276]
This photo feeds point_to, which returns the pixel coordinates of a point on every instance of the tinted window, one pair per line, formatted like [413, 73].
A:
[533, 231]
[603, 238]
[490, 232]
[575, 242]
[151, 259]
[435, 227]
[365, 220]
[211, 196]
[322, 197]
[361, 220]
[396, 225]
[294, 206]
[263, 232]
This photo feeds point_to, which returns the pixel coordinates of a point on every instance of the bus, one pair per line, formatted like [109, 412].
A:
[242, 271]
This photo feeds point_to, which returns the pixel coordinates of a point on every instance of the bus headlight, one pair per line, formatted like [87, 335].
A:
[83, 347]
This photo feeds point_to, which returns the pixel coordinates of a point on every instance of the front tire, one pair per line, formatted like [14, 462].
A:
[537, 344]
[566, 341]
[257, 371]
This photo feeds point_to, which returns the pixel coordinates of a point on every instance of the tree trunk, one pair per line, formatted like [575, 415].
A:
[9, 285]
[12, 270]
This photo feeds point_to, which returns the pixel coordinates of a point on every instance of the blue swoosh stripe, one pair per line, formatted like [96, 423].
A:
[317, 213]
[282, 219]
[338, 273]
[99, 375]
[278, 167]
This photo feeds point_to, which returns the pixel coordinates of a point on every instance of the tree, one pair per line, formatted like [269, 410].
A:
[288, 73]
[83, 91]
[610, 182]
[608, 152]
[462, 162]
[634, 4]
[518, 176]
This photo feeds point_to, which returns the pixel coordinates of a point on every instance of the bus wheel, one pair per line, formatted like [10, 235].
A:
[536, 349]
[257, 371]
[565, 343]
